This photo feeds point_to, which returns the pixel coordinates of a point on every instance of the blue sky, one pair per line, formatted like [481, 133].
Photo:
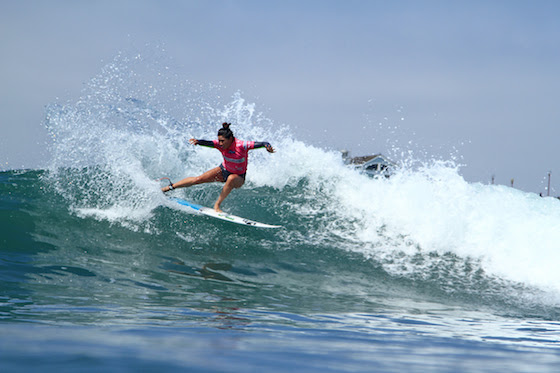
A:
[479, 76]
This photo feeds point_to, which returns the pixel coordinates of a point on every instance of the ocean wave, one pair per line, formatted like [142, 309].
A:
[424, 233]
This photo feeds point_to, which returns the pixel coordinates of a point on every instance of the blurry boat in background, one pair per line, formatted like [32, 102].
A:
[371, 165]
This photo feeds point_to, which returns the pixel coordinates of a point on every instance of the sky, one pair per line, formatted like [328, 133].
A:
[478, 80]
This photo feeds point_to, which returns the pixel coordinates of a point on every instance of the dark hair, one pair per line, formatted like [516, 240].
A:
[225, 131]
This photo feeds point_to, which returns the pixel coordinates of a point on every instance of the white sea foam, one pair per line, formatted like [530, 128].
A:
[513, 234]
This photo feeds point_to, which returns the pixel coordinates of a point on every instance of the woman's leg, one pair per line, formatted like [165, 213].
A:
[233, 181]
[209, 176]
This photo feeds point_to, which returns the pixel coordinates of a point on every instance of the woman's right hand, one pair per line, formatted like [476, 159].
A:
[193, 141]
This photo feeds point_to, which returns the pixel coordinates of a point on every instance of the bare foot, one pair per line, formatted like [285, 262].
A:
[217, 208]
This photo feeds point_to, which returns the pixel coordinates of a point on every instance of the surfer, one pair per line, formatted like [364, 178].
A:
[232, 171]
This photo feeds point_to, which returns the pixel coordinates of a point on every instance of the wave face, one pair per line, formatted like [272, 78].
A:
[93, 241]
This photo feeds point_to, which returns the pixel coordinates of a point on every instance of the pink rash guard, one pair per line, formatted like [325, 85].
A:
[235, 157]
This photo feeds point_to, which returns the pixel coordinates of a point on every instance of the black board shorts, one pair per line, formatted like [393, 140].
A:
[226, 173]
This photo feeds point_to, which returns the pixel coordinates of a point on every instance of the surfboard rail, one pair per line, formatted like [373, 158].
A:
[222, 215]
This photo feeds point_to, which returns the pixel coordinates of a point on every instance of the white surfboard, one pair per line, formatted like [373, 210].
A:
[221, 215]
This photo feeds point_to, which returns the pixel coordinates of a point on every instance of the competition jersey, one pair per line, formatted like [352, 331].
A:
[235, 157]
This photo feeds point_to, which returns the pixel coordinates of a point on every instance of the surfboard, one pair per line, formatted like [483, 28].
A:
[221, 215]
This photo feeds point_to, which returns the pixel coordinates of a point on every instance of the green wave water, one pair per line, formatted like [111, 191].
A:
[113, 287]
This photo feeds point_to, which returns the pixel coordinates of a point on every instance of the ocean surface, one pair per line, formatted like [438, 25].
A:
[420, 272]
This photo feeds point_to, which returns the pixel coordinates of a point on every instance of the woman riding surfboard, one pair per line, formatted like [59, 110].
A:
[233, 169]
